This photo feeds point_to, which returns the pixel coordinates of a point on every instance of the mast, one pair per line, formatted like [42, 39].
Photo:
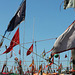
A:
[33, 47]
[36, 55]
[6, 58]
[73, 59]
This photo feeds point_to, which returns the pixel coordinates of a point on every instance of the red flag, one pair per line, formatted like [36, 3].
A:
[59, 56]
[30, 50]
[52, 59]
[19, 52]
[50, 64]
[14, 42]
[8, 50]
[46, 66]
[66, 56]
[20, 62]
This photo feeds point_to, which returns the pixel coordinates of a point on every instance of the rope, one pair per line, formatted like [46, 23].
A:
[23, 47]
[40, 40]
[49, 51]
[27, 49]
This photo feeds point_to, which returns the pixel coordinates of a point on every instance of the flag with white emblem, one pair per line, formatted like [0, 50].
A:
[18, 18]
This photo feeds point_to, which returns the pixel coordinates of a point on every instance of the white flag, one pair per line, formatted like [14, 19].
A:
[66, 41]
[69, 4]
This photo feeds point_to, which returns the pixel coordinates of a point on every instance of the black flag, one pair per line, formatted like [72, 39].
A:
[18, 18]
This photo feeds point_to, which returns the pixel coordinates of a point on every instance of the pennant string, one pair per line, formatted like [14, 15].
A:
[27, 49]
[23, 47]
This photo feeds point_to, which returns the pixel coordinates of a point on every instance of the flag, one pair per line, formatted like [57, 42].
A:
[30, 50]
[15, 41]
[52, 59]
[43, 53]
[8, 50]
[61, 66]
[65, 55]
[19, 52]
[59, 57]
[69, 4]
[20, 62]
[50, 64]
[40, 68]
[18, 18]
[32, 63]
[46, 66]
[66, 41]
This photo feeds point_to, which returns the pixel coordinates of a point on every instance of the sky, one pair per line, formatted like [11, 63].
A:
[43, 20]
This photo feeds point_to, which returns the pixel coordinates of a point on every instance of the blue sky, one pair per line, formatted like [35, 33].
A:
[49, 22]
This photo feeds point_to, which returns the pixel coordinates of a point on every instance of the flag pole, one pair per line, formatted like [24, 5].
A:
[36, 55]
[58, 63]
[33, 45]
[23, 44]
[6, 58]
[68, 59]
[73, 58]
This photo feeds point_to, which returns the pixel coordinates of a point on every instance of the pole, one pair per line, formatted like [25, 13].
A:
[6, 58]
[36, 55]
[23, 45]
[59, 64]
[41, 68]
[73, 58]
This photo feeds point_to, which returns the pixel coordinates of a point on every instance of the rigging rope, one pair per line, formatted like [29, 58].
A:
[24, 48]
[27, 49]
